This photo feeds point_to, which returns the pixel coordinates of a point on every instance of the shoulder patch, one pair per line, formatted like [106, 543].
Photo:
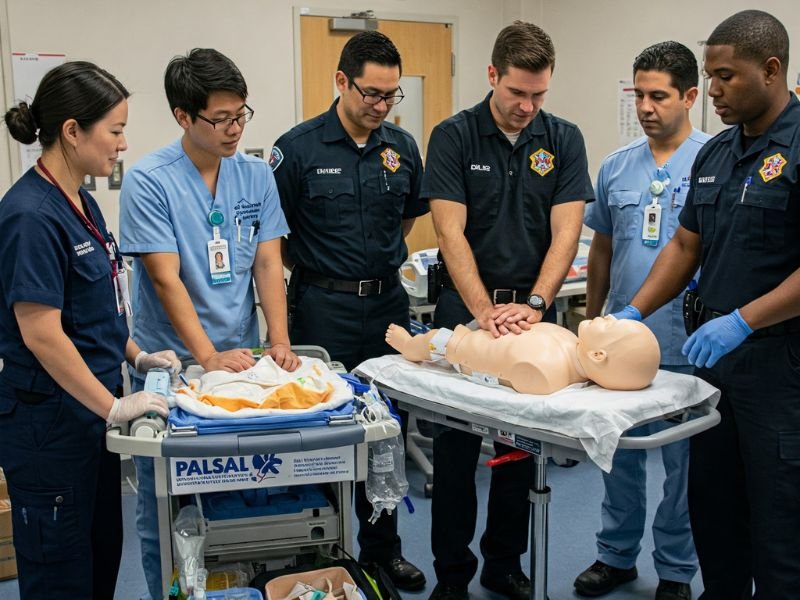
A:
[275, 158]
[542, 162]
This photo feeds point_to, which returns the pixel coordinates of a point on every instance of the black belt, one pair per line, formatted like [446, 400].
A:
[498, 295]
[783, 328]
[363, 287]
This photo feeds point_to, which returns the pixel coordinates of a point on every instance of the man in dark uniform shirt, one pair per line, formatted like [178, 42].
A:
[741, 224]
[507, 184]
[349, 185]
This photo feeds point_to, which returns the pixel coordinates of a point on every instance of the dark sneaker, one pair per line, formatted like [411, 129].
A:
[443, 591]
[514, 586]
[601, 578]
[673, 590]
[404, 575]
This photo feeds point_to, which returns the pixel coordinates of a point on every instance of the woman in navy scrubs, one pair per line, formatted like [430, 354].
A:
[63, 337]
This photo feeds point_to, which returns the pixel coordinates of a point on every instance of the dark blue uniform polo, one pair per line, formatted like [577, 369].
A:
[744, 202]
[744, 474]
[508, 191]
[63, 483]
[345, 204]
[49, 257]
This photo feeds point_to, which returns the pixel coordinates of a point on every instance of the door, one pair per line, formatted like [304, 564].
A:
[426, 50]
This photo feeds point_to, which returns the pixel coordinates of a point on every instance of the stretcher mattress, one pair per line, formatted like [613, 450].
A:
[597, 417]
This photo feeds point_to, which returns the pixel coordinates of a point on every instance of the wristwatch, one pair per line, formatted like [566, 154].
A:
[536, 302]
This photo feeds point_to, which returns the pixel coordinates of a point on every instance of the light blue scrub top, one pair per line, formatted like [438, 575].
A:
[622, 193]
[164, 207]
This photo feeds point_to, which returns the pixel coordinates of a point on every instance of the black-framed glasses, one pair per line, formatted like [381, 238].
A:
[228, 121]
[373, 99]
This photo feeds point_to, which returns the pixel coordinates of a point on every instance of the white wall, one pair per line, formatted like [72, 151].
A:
[597, 40]
[134, 40]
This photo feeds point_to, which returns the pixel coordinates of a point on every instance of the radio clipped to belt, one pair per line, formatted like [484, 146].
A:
[692, 308]
[434, 282]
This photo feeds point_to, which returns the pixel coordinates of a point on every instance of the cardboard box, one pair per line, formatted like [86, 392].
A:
[5, 519]
[3, 486]
[8, 560]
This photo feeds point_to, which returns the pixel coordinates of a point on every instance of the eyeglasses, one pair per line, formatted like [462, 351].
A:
[228, 121]
[373, 99]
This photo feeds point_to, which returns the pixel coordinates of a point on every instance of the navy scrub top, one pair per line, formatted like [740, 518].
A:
[49, 257]
[344, 204]
[509, 191]
[744, 202]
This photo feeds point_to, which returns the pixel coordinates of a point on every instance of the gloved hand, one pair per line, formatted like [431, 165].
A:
[135, 405]
[163, 359]
[629, 312]
[715, 339]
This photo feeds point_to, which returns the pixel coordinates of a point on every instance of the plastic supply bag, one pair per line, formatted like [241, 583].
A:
[386, 483]
[188, 541]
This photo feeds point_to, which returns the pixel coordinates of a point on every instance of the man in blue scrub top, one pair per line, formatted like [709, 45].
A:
[645, 182]
[181, 208]
[740, 223]
[507, 183]
[349, 183]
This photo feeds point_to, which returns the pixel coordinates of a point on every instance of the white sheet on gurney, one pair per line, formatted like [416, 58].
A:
[597, 417]
[263, 378]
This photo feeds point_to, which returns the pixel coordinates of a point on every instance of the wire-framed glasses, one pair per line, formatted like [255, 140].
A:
[246, 116]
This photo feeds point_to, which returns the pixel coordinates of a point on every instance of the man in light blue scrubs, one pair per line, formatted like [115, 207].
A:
[203, 222]
[640, 191]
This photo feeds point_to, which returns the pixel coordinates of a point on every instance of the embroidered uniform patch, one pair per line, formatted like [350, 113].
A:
[391, 159]
[773, 167]
[275, 158]
[542, 162]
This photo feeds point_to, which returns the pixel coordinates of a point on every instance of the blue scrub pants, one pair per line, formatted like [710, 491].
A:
[624, 508]
[744, 474]
[352, 329]
[455, 504]
[65, 495]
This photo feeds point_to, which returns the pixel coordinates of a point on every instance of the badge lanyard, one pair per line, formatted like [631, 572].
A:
[651, 226]
[117, 267]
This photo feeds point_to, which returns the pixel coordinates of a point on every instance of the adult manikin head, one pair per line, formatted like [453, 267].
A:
[618, 354]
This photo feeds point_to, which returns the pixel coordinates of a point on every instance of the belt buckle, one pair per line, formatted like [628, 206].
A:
[503, 291]
[365, 282]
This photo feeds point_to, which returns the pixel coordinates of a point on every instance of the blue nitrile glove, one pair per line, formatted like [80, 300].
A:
[715, 339]
[629, 312]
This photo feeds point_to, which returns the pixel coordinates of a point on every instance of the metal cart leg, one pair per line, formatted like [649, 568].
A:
[164, 523]
[539, 498]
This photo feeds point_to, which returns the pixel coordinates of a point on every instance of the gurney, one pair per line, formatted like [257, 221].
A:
[582, 421]
[195, 456]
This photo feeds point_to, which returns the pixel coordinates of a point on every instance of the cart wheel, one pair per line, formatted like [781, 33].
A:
[428, 490]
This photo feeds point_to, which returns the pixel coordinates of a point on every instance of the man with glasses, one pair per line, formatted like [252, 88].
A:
[183, 206]
[349, 184]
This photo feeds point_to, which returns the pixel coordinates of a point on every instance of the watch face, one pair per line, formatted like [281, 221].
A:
[536, 302]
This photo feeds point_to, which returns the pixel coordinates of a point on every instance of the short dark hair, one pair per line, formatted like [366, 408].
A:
[189, 80]
[75, 90]
[754, 35]
[368, 46]
[523, 46]
[673, 58]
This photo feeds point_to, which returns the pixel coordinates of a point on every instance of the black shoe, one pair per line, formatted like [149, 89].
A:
[442, 591]
[673, 590]
[404, 575]
[514, 586]
[601, 578]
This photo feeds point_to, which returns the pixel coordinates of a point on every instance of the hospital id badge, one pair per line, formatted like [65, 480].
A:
[219, 262]
[121, 293]
[651, 227]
